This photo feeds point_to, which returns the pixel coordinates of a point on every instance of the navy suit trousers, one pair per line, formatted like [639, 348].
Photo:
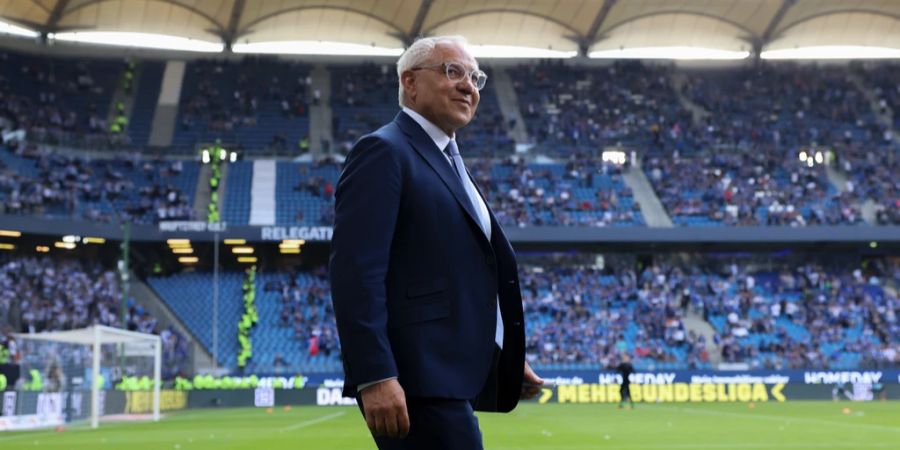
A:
[436, 424]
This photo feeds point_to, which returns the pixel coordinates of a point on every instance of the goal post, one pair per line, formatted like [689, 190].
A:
[86, 355]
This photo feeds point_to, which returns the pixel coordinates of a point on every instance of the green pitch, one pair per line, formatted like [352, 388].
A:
[794, 425]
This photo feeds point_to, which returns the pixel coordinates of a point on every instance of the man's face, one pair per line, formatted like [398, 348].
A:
[430, 93]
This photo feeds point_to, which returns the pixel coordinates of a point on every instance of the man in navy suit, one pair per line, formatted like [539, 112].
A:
[424, 282]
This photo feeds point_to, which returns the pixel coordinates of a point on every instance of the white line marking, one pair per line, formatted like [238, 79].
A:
[314, 421]
[784, 419]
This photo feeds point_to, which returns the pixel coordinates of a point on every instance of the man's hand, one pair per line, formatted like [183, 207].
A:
[531, 383]
[385, 409]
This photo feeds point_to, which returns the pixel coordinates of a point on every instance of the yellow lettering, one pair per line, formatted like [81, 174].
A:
[546, 394]
[666, 393]
[759, 393]
[612, 393]
[568, 394]
[584, 393]
[744, 392]
[696, 393]
[636, 393]
[598, 395]
[709, 392]
[732, 392]
[721, 395]
[138, 402]
[776, 392]
[682, 393]
[650, 393]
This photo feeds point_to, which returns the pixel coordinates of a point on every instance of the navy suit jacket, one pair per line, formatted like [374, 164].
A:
[415, 281]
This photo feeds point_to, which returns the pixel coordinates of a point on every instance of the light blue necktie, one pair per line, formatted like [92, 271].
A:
[484, 220]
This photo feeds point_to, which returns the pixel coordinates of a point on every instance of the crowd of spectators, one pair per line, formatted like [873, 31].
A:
[578, 191]
[761, 187]
[569, 108]
[305, 307]
[872, 176]
[219, 110]
[57, 100]
[363, 98]
[782, 106]
[249, 104]
[774, 315]
[731, 160]
[50, 294]
[766, 312]
[581, 316]
[805, 315]
[34, 180]
[885, 82]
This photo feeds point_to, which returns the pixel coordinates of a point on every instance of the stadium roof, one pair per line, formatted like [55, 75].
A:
[582, 26]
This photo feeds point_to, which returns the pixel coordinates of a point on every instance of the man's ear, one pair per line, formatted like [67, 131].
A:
[408, 78]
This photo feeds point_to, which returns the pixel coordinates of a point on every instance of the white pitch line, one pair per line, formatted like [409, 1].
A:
[784, 419]
[314, 421]
[21, 436]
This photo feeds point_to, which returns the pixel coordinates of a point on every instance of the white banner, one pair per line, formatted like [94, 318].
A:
[29, 422]
[264, 397]
[9, 404]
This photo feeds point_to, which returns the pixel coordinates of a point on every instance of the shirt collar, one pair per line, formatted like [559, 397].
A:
[436, 134]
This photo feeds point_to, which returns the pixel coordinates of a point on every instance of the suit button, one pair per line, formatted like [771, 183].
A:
[489, 260]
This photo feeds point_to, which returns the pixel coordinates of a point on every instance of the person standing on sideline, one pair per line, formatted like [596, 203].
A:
[424, 282]
[625, 370]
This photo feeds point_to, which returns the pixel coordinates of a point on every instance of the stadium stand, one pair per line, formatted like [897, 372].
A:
[569, 108]
[885, 83]
[578, 192]
[363, 98]
[760, 187]
[737, 166]
[189, 296]
[583, 318]
[250, 105]
[42, 182]
[236, 209]
[810, 315]
[769, 314]
[305, 193]
[297, 332]
[786, 106]
[57, 100]
[873, 177]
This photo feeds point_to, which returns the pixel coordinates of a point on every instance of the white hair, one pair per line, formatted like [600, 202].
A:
[419, 53]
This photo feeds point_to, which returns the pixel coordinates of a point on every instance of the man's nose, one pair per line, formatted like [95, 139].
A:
[466, 85]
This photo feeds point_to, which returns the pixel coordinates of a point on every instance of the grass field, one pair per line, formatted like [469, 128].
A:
[794, 425]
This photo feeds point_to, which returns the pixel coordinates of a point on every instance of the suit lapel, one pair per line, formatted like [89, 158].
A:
[423, 145]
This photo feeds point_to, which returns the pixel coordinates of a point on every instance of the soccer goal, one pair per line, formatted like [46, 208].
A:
[94, 372]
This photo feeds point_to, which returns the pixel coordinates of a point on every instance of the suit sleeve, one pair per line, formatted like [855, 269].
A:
[367, 201]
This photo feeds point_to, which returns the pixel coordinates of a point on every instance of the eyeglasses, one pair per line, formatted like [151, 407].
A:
[456, 72]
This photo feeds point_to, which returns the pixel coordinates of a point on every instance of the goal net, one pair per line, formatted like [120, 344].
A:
[80, 375]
